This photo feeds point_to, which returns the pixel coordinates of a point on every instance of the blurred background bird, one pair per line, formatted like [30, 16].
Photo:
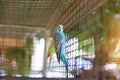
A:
[60, 42]
[51, 51]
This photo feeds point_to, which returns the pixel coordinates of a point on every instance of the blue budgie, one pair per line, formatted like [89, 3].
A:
[60, 43]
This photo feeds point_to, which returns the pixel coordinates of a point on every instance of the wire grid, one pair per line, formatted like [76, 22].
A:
[83, 36]
[27, 12]
[80, 46]
[79, 49]
[75, 52]
[77, 10]
[80, 30]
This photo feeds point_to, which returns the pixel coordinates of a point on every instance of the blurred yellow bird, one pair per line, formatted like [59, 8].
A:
[51, 51]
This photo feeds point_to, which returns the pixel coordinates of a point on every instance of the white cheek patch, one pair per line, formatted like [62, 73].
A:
[61, 27]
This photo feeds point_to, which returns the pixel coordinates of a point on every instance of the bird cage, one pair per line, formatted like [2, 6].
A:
[91, 27]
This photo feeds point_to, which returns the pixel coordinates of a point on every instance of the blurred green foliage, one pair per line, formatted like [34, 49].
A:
[22, 57]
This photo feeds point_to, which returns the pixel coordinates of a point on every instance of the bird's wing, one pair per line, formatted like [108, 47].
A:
[58, 40]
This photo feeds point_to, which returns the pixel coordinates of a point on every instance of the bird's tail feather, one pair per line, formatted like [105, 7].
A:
[64, 60]
[66, 67]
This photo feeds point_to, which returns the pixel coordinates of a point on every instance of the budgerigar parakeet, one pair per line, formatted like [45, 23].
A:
[60, 44]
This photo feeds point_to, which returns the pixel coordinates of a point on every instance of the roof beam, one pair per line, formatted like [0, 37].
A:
[22, 27]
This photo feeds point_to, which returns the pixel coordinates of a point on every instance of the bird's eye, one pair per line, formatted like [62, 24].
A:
[59, 29]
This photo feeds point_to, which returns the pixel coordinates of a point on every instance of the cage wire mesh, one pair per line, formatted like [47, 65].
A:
[75, 51]
[86, 49]
[80, 48]
[85, 28]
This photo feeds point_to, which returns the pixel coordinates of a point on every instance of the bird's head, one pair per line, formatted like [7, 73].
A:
[59, 28]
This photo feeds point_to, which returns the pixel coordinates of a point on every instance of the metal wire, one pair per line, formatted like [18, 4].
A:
[82, 20]
[27, 13]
